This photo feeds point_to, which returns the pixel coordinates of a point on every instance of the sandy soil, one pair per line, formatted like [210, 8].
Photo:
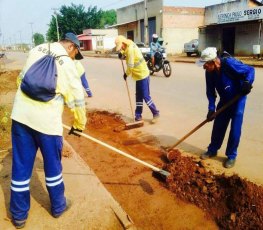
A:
[191, 198]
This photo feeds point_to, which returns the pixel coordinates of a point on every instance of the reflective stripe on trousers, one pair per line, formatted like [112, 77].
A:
[143, 93]
[25, 143]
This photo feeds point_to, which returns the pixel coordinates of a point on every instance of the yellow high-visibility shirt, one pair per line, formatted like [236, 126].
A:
[80, 68]
[136, 65]
[46, 117]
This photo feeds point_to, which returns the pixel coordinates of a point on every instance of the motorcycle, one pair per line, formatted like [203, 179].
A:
[160, 63]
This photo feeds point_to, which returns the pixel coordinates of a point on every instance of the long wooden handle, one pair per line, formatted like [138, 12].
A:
[128, 91]
[206, 120]
[119, 151]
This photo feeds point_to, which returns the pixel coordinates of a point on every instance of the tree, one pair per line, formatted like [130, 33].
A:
[109, 17]
[38, 39]
[75, 19]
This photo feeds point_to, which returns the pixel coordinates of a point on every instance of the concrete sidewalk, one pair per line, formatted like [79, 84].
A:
[92, 205]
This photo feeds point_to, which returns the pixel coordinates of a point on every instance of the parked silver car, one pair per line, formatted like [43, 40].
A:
[191, 47]
[143, 48]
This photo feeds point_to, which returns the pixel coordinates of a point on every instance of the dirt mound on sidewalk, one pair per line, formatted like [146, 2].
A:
[233, 202]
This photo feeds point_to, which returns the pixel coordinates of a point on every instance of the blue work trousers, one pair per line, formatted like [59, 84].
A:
[26, 142]
[235, 115]
[143, 93]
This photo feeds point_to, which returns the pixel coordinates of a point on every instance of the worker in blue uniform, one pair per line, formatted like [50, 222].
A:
[227, 77]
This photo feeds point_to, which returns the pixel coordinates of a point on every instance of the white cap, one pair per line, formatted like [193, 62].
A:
[155, 36]
[208, 54]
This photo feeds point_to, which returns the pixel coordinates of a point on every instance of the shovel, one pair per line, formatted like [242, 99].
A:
[157, 172]
[228, 104]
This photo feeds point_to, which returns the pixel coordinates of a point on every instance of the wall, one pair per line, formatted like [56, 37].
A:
[134, 13]
[180, 25]
[177, 25]
[106, 36]
[209, 37]
[246, 37]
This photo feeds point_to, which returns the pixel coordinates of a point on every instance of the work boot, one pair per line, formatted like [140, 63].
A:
[207, 155]
[229, 163]
[155, 118]
[68, 205]
[138, 119]
[19, 223]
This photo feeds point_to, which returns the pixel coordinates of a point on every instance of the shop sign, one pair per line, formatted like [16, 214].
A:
[240, 15]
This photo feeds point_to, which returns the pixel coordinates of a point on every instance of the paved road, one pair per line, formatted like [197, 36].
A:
[182, 103]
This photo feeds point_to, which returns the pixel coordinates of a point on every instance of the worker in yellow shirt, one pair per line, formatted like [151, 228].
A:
[37, 121]
[83, 78]
[137, 68]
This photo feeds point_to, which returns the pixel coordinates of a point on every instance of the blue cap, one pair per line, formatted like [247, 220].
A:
[74, 39]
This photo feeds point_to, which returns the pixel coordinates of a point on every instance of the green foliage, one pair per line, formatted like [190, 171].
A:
[109, 17]
[38, 39]
[75, 18]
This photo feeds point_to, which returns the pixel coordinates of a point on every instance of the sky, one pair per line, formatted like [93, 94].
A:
[20, 18]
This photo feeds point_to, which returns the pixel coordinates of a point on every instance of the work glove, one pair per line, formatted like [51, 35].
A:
[73, 131]
[246, 88]
[121, 56]
[89, 94]
[210, 116]
[124, 76]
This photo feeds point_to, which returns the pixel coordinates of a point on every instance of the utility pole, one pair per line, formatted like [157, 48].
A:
[20, 39]
[31, 23]
[146, 40]
[15, 43]
[56, 17]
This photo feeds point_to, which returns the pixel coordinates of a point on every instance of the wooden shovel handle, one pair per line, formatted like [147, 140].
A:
[225, 106]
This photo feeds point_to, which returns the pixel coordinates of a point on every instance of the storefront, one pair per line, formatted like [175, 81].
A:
[237, 31]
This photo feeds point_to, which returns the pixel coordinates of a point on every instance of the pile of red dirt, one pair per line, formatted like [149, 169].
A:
[233, 202]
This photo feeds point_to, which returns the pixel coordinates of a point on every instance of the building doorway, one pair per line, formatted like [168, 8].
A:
[151, 28]
[130, 35]
[228, 40]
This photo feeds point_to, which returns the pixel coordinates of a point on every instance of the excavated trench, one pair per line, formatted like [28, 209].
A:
[232, 202]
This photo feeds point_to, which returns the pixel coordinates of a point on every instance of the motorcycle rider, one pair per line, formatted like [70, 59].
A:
[154, 47]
